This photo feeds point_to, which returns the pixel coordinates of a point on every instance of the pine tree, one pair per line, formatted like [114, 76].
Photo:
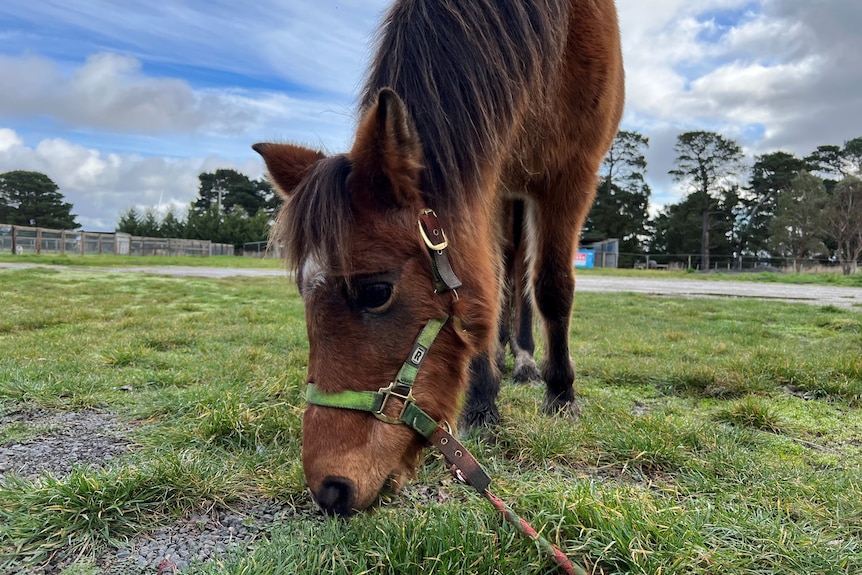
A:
[799, 224]
[130, 222]
[33, 199]
[706, 163]
[622, 197]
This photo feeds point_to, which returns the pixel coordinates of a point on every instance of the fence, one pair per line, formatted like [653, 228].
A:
[606, 254]
[28, 240]
[735, 263]
[261, 250]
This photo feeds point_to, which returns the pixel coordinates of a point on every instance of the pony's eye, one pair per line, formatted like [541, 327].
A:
[373, 296]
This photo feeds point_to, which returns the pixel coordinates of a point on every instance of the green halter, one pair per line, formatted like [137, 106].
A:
[465, 467]
[402, 388]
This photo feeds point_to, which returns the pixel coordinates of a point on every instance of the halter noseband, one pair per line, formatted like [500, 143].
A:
[402, 388]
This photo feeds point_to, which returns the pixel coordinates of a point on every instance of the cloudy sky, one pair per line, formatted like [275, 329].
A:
[123, 103]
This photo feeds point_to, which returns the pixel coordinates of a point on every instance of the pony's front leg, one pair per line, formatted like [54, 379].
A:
[553, 291]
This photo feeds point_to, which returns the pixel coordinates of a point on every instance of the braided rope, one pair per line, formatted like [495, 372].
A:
[525, 529]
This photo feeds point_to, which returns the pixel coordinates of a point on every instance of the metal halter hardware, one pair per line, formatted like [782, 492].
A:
[436, 242]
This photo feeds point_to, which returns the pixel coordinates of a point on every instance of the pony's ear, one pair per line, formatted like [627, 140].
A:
[387, 155]
[287, 164]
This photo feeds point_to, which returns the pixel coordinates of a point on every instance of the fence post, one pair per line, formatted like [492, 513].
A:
[14, 239]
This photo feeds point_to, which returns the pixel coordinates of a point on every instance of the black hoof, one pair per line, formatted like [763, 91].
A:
[559, 407]
[477, 419]
[525, 370]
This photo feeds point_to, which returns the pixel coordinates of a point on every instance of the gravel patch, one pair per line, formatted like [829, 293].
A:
[218, 534]
[57, 442]
[53, 443]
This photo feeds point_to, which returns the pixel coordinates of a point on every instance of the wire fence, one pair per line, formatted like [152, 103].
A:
[261, 250]
[657, 261]
[604, 254]
[30, 240]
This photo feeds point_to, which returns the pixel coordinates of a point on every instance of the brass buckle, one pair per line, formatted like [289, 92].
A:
[428, 241]
[388, 392]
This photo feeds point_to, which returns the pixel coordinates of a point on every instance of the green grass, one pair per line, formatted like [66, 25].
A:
[833, 278]
[717, 436]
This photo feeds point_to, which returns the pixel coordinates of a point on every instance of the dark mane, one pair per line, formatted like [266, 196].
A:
[464, 69]
[317, 215]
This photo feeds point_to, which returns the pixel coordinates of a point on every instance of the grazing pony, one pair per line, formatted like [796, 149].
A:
[398, 243]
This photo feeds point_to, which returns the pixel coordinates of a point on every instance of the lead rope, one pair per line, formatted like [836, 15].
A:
[526, 530]
[467, 469]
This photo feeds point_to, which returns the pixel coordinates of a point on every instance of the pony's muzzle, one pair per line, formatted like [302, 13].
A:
[336, 496]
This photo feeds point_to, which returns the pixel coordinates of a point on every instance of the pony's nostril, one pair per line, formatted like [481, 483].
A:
[336, 496]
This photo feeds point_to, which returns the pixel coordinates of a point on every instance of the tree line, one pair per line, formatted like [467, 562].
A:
[781, 207]
[778, 208]
[230, 208]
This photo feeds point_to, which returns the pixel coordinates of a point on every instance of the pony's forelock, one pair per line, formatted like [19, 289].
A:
[317, 217]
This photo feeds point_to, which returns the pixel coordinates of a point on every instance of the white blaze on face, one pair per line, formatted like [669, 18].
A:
[313, 275]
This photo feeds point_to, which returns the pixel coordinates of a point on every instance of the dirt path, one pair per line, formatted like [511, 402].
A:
[844, 297]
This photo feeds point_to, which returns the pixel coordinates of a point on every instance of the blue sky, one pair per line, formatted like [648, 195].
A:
[124, 103]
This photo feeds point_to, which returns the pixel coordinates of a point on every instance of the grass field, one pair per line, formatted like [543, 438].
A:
[717, 436]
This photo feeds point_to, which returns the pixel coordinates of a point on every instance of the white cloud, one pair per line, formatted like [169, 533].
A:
[109, 92]
[784, 75]
[9, 140]
[320, 45]
[102, 185]
[132, 102]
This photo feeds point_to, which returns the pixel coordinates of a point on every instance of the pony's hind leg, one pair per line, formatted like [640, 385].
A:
[480, 408]
[524, 369]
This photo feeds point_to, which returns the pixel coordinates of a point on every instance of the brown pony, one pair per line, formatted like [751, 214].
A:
[468, 106]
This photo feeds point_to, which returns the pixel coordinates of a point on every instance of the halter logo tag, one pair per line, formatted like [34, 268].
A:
[418, 354]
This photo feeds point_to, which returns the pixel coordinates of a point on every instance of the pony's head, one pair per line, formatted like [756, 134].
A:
[350, 229]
